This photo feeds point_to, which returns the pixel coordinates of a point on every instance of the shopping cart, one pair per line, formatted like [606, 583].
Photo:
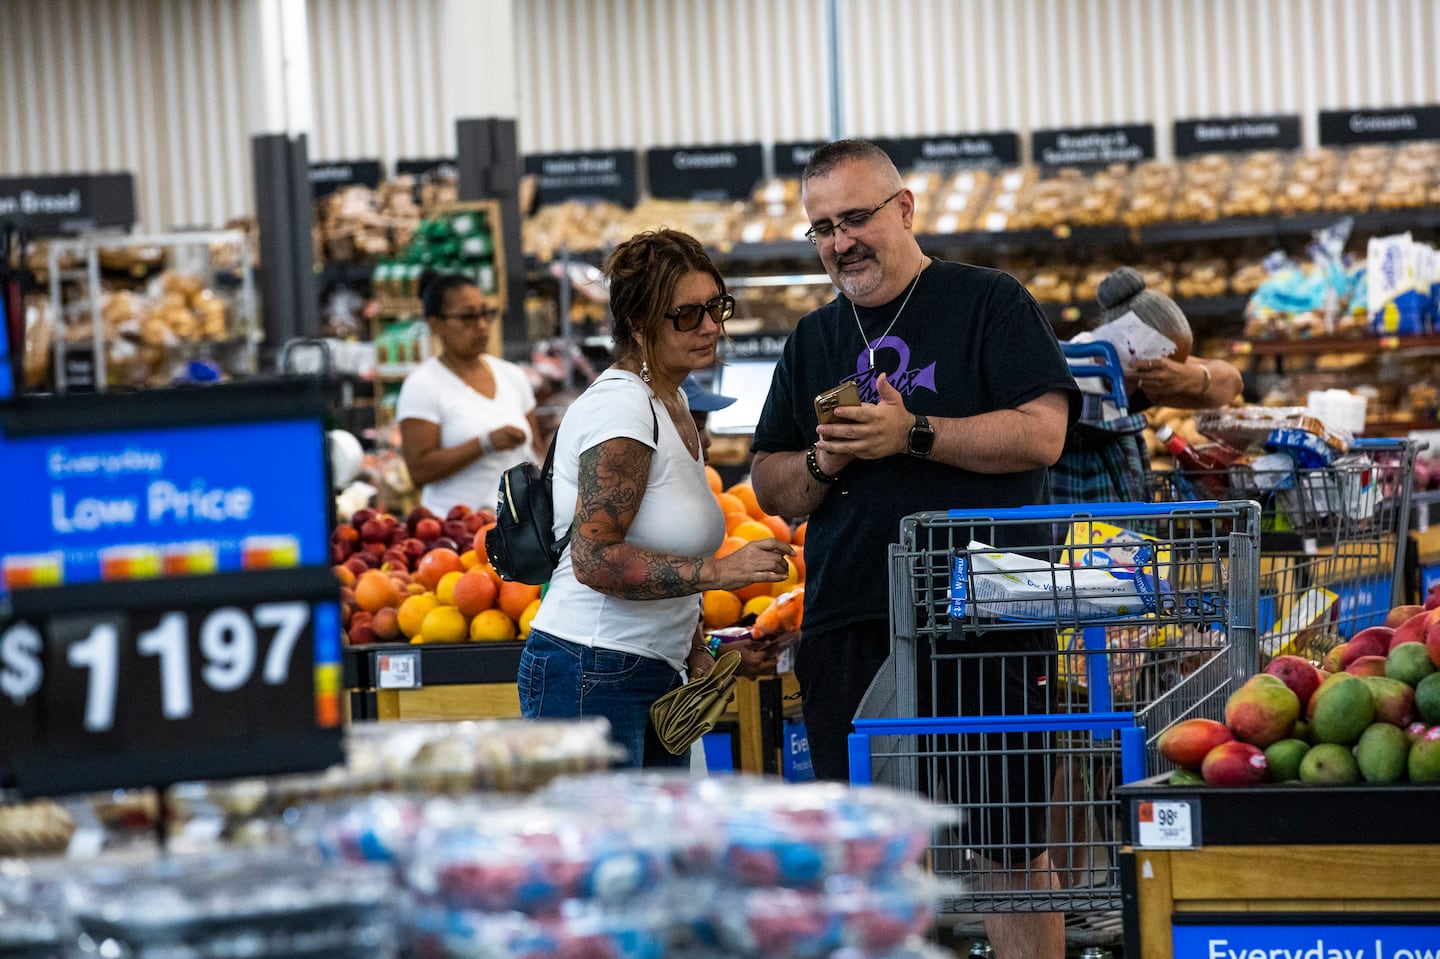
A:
[1332, 544]
[1115, 622]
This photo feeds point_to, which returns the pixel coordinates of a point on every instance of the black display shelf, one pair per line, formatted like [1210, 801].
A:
[1279, 814]
[441, 664]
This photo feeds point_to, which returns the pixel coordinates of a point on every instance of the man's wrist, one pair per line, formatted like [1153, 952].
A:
[812, 463]
[1205, 386]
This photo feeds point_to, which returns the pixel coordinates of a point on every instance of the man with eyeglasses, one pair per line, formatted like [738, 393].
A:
[965, 402]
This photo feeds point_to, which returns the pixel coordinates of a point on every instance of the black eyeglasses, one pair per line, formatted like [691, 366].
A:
[472, 317]
[824, 230]
[686, 318]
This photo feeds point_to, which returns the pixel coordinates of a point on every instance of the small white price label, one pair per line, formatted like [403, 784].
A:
[1165, 824]
[399, 670]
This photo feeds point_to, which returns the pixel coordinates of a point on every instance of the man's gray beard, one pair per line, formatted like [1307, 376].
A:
[855, 286]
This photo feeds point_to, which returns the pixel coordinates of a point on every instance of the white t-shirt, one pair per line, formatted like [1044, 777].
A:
[678, 516]
[433, 393]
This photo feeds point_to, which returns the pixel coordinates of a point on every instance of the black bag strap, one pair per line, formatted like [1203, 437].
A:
[548, 470]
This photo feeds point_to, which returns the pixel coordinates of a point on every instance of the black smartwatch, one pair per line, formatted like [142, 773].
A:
[922, 437]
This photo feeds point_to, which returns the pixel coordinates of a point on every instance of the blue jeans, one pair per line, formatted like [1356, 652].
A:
[563, 680]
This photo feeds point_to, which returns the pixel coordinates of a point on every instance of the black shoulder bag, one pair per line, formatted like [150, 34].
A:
[522, 545]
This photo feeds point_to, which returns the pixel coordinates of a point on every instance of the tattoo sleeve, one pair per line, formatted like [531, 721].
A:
[613, 477]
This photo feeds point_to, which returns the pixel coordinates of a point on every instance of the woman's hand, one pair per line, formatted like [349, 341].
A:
[699, 663]
[761, 561]
[504, 438]
[1167, 378]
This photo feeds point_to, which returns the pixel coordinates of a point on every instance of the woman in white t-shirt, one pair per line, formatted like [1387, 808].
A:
[621, 619]
[464, 417]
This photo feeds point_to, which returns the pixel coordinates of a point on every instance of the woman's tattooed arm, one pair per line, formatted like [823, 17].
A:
[613, 476]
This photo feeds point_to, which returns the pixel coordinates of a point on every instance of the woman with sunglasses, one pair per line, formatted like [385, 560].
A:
[464, 417]
[621, 620]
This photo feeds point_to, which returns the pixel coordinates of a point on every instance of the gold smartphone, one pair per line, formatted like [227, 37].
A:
[846, 394]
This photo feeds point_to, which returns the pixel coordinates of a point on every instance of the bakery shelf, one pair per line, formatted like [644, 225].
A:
[1332, 344]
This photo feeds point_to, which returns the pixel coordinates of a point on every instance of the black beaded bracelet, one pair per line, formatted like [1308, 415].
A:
[812, 462]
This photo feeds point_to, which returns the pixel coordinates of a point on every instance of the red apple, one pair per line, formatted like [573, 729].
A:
[487, 513]
[414, 548]
[339, 553]
[455, 528]
[445, 542]
[362, 516]
[415, 516]
[374, 531]
[458, 511]
[429, 528]
[357, 564]
[473, 522]
[395, 558]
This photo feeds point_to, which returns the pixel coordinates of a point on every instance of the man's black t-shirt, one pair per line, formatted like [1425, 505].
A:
[969, 341]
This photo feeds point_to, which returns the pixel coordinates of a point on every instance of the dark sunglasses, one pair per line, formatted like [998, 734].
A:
[472, 317]
[686, 318]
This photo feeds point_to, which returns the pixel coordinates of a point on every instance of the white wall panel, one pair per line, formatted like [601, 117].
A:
[157, 86]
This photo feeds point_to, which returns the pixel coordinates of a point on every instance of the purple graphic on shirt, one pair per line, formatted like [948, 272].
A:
[906, 380]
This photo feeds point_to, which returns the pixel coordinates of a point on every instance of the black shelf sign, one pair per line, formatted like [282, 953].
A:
[588, 176]
[1223, 134]
[167, 609]
[326, 178]
[788, 159]
[56, 205]
[727, 172]
[1093, 146]
[1345, 127]
[953, 151]
[422, 167]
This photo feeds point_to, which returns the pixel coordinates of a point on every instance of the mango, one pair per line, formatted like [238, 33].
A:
[1186, 777]
[1424, 760]
[1331, 663]
[1186, 743]
[1343, 708]
[1367, 666]
[1427, 698]
[1409, 663]
[1394, 701]
[1234, 764]
[1372, 641]
[1263, 711]
[1284, 758]
[1382, 752]
[1329, 763]
[1298, 673]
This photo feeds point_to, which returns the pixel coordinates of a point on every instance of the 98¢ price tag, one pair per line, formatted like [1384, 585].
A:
[1165, 824]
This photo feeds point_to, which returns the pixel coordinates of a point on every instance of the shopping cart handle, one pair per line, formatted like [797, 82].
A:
[1082, 511]
[1377, 443]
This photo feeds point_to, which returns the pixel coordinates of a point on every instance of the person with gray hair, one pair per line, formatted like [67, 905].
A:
[1105, 458]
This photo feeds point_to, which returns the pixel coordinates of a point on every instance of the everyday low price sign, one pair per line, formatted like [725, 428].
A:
[1308, 941]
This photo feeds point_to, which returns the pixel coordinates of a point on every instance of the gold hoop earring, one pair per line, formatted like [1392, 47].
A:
[645, 370]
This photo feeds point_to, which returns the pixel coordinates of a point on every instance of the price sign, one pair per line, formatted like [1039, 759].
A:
[1165, 824]
[398, 670]
[92, 698]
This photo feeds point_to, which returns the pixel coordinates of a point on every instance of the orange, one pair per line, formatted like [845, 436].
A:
[734, 519]
[721, 608]
[730, 545]
[753, 529]
[747, 593]
[712, 475]
[757, 606]
[413, 611]
[489, 570]
[745, 494]
[344, 574]
[778, 526]
[514, 597]
[527, 617]
[797, 538]
[799, 560]
[444, 624]
[435, 564]
[374, 591]
[475, 592]
[445, 589]
[479, 545]
[470, 559]
[731, 504]
[491, 625]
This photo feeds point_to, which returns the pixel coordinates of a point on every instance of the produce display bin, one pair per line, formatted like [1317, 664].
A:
[1306, 872]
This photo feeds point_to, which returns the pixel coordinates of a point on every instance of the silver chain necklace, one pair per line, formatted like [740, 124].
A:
[914, 282]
